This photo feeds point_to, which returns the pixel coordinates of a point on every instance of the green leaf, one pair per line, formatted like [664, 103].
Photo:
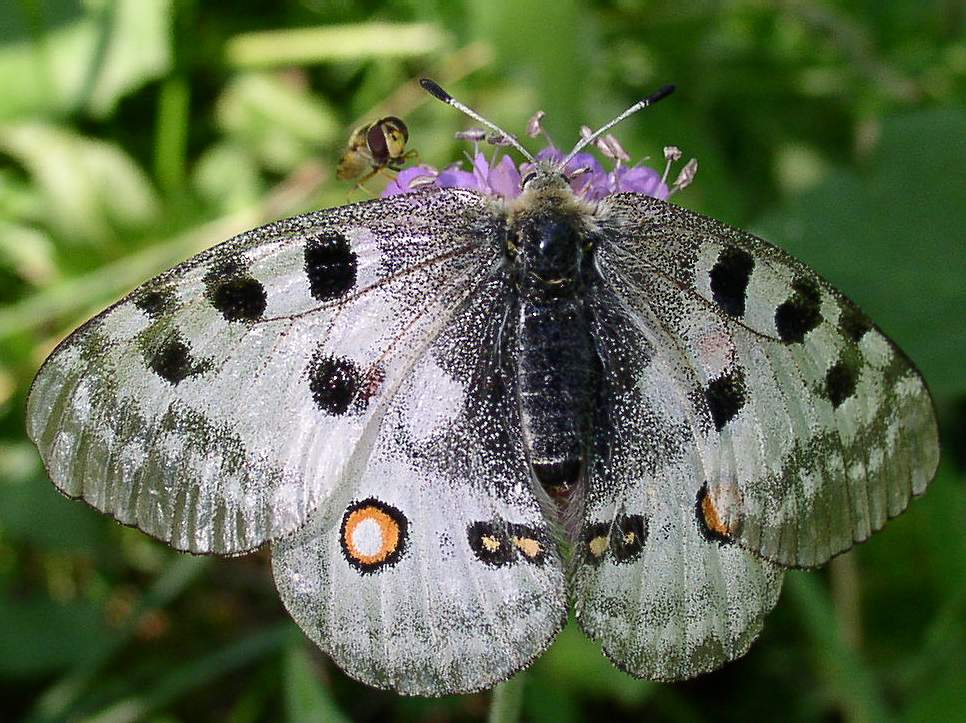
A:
[28, 252]
[227, 176]
[54, 702]
[552, 39]
[171, 134]
[41, 636]
[278, 120]
[25, 498]
[506, 700]
[576, 664]
[300, 46]
[849, 680]
[64, 56]
[92, 189]
[891, 238]
[306, 698]
[195, 674]
[943, 700]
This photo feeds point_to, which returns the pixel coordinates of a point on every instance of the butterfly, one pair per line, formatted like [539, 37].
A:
[374, 147]
[454, 415]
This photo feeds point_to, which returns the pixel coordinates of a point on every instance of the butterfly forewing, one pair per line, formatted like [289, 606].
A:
[462, 586]
[812, 428]
[217, 405]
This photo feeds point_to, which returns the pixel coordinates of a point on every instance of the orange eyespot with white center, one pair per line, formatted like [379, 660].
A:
[373, 535]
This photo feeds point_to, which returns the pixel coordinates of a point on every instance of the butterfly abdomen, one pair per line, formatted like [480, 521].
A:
[557, 373]
[557, 368]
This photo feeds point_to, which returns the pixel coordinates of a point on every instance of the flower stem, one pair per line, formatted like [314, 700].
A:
[506, 700]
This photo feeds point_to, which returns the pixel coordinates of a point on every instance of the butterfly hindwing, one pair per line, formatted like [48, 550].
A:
[216, 405]
[812, 428]
[665, 598]
[433, 570]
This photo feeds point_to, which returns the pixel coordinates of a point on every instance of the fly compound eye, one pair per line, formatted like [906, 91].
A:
[396, 134]
[378, 143]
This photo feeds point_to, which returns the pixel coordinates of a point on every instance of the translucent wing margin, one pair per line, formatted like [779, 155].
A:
[463, 586]
[219, 403]
[813, 427]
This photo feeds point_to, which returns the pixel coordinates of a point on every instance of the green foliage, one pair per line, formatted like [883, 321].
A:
[134, 133]
[885, 231]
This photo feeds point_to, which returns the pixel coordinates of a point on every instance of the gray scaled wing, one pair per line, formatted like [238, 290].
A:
[809, 426]
[666, 597]
[220, 403]
[432, 570]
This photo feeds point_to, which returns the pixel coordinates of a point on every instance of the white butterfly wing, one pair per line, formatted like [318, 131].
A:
[220, 403]
[665, 599]
[812, 428]
[432, 569]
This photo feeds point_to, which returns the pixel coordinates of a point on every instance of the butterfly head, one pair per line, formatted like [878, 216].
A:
[544, 176]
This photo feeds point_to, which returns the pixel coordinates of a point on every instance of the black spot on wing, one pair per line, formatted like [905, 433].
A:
[725, 395]
[234, 292]
[156, 302]
[627, 537]
[334, 382]
[729, 279]
[330, 265]
[801, 313]
[853, 323]
[841, 380]
[172, 360]
[490, 543]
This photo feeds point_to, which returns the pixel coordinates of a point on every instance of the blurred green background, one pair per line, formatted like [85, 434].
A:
[134, 133]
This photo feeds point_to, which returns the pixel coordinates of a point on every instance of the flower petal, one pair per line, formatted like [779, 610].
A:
[639, 179]
[401, 183]
[455, 177]
[504, 178]
[481, 169]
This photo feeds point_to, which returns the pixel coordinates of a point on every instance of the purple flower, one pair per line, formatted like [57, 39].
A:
[639, 179]
[500, 176]
[504, 178]
[404, 180]
[455, 177]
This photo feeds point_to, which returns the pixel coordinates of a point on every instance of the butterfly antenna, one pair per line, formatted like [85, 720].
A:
[432, 87]
[639, 105]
